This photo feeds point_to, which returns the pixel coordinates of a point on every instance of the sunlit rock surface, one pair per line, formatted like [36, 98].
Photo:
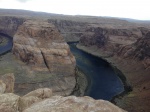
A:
[41, 47]
[33, 97]
[73, 104]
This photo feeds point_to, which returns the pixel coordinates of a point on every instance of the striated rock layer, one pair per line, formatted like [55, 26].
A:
[40, 46]
[128, 50]
[71, 30]
[10, 24]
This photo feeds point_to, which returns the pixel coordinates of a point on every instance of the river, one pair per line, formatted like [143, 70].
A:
[7, 46]
[103, 81]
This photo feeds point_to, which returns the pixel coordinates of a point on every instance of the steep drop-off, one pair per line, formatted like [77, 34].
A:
[128, 50]
[70, 30]
[10, 24]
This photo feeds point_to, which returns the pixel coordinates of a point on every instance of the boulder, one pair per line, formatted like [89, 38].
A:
[9, 81]
[9, 102]
[2, 87]
[73, 104]
[41, 93]
[33, 97]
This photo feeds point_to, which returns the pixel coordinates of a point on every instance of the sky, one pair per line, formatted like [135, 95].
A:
[135, 9]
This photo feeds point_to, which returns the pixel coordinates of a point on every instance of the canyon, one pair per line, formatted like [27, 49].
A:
[128, 50]
[41, 57]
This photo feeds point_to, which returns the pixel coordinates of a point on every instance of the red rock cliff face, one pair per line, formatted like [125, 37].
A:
[41, 47]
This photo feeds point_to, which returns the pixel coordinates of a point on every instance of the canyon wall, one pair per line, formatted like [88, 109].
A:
[123, 44]
[127, 50]
[70, 30]
[10, 24]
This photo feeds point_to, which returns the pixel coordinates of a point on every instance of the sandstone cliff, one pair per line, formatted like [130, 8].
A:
[71, 30]
[10, 24]
[43, 50]
[128, 50]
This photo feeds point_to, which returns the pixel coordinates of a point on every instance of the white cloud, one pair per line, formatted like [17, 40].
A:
[23, 0]
[138, 9]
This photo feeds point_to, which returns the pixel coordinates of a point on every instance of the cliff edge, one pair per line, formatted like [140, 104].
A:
[128, 51]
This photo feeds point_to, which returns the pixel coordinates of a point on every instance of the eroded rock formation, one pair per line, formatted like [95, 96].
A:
[10, 102]
[110, 39]
[43, 100]
[41, 47]
[128, 50]
[33, 97]
[9, 24]
[73, 104]
[71, 30]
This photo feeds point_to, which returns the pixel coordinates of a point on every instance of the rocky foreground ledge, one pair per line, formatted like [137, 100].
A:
[42, 100]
